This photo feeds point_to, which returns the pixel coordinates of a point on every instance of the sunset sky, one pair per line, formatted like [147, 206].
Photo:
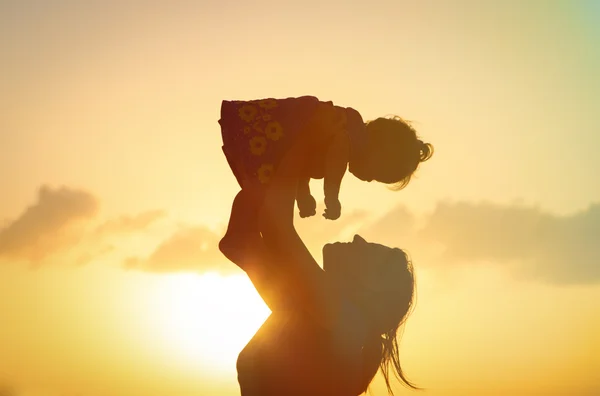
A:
[114, 190]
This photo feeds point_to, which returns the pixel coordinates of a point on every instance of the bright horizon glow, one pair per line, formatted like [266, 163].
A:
[204, 330]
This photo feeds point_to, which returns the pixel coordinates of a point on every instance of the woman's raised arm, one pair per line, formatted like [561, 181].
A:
[289, 262]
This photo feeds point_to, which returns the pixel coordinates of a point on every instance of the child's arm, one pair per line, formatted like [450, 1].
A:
[336, 164]
[306, 203]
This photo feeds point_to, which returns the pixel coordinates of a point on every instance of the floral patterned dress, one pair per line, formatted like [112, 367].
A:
[257, 133]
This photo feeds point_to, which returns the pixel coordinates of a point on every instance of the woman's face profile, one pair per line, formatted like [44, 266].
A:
[358, 264]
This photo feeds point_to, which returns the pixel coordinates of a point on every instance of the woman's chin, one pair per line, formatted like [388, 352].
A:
[329, 247]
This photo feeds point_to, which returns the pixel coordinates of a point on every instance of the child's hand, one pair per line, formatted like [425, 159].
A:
[333, 209]
[307, 205]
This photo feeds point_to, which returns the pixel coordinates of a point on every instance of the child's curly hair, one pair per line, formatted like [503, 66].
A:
[398, 151]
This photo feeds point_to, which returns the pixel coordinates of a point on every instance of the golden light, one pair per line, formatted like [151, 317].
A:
[207, 319]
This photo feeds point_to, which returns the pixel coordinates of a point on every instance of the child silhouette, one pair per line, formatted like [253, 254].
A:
[258, 133]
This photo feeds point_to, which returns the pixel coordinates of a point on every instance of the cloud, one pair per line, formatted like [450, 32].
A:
[196, 248]
[48, 225]
[7, 390]
[528, 241]
[532, 243]
[62, 226]
[188, 249]
[104, 238]
[91, 252]
[128, 224]
[396, 228]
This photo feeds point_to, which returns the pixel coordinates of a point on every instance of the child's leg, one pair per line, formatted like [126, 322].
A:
[242, 229]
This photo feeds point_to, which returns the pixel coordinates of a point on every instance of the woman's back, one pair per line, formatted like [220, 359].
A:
[291, 355]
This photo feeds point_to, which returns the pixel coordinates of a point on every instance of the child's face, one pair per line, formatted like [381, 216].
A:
[386, 169]
[376, 167]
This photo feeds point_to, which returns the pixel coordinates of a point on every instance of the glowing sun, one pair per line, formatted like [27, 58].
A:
[209, 318]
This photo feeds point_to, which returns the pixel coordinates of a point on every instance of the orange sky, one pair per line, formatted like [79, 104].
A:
[114, 190]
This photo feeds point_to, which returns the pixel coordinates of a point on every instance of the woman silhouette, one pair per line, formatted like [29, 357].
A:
[331, 328]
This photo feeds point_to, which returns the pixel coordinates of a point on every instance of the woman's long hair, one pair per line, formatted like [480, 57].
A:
[382, 352]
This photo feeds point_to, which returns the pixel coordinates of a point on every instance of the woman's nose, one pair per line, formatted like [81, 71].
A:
[359, 239]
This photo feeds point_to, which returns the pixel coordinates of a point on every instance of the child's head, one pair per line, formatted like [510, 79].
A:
[394, 153]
